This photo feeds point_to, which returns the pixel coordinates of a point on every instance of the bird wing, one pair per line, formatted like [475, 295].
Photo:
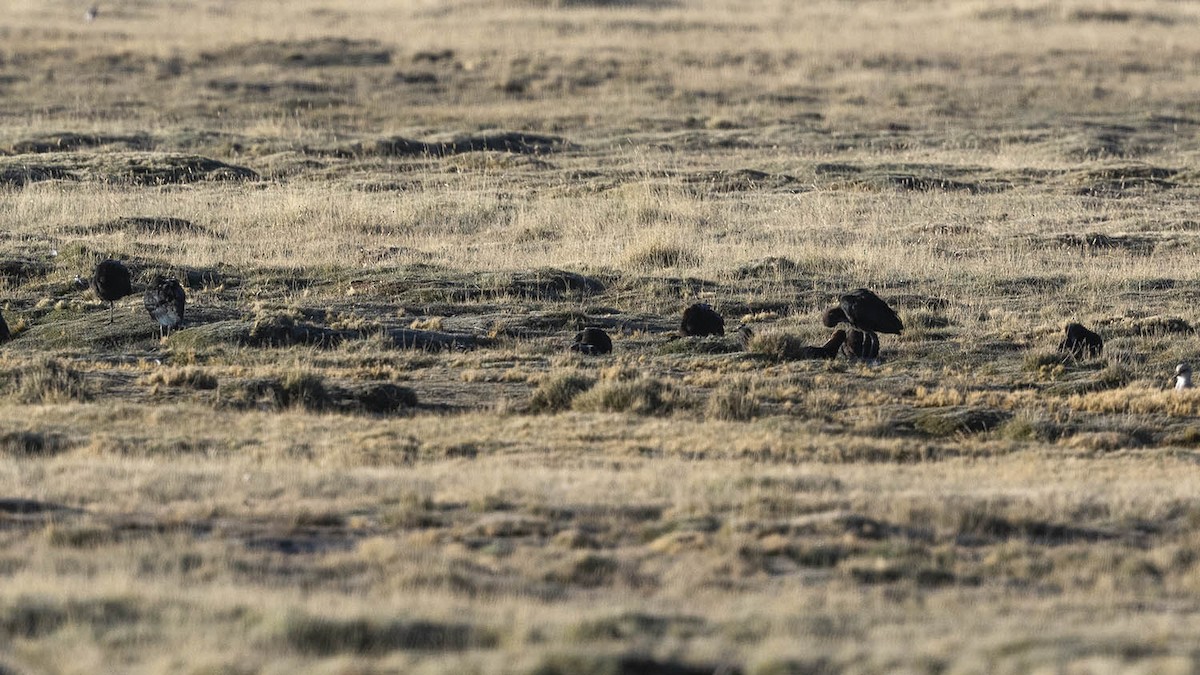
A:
[867, 311]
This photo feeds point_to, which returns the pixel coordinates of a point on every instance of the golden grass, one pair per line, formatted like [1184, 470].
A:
[370, 450]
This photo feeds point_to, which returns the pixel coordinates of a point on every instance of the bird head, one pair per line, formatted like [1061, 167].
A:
[833, 316]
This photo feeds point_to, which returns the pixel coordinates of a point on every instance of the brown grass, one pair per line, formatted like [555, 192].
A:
[369, 449]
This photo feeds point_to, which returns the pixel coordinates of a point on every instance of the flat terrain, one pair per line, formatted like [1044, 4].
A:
[370, 450]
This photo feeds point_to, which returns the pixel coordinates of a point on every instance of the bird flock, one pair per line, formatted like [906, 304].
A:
[867, 315]
[164, 298]
[864, 312]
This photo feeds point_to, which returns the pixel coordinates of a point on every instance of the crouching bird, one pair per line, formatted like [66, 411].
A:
[164, 300]
[110, 282]
[1080, 342]
[701, 319]
[592, 341]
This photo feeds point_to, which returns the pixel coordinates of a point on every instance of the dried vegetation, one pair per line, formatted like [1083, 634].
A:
[370, 450]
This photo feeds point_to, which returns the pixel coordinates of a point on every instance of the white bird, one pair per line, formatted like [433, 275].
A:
[91, 13]
[1183, 376]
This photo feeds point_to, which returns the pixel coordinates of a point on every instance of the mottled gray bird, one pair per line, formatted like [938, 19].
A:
[863, 310]
[110, 282]
[164, 300]
[1183, 376]
[592, 341]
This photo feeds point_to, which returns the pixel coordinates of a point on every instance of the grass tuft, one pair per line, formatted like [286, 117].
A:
[557, 391]
[328, 636]
[48, 380]
[735, 400]
[643, 396]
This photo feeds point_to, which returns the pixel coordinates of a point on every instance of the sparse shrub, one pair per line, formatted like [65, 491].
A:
[304, 389]
[321, 635]
[735, 400]
[32, 443]
[657, 255]
[1114, 376]
[31, 617]
[1029, 426]
[644, 396]
[627, 625]
[1101, 441]
[1047, 365]
[297, 388]
[953, 421]
[618, 664]
[1188, 436]
[195, 378]
[925, 319]
[777, 346]
[589, 570]
[557, 391]
[46, 381]
[385, 397]
[427, 323]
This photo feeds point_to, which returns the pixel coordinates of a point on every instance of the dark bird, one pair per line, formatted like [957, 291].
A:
[1081, 342]
[701, 319]
[861, 344]
[5, 336]
[592, 341]
[110, 282]
[164, 300]
[863, 310]
[828, 350]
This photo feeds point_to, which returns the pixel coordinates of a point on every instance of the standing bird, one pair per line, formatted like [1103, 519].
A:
[863, 310]
[701, 319]
[110, 282]
[91, 13]
[164, 300]
[592, 341]
[1183, 376]
[1081, 342]
[861, 344]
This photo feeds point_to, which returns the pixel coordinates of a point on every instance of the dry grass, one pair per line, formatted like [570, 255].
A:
[370, 450]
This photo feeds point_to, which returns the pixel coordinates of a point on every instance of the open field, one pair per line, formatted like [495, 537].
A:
[370, 450]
